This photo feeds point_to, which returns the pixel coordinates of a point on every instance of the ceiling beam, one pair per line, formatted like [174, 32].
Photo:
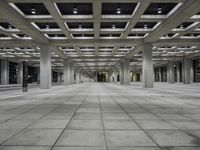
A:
[186, 10]
[10, 15]
[53, 10]
[140, 9]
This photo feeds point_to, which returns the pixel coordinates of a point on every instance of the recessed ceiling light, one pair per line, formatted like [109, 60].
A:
[9, 26]
[159, 10]
[79, 26]
[33, 11]
[181, 26]
[47, 26]
[75, 10]
[145, 26]
[113, 26]
[118, 10]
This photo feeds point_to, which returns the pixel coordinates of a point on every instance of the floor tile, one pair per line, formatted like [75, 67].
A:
[41, 137]
[120, 124]
[172, 138]
[85, 124]
[154, 124]
[128, 138]
[81, 138]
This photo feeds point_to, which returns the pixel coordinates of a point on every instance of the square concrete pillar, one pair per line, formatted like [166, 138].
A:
[4, 72]
[20, 73]
[77, 76]
[171, 72]
[160, 75]
[126, 72]
[187, 64]
[121, 73]
[59, 77]
[178, 72]
[66, 71]
[71, 72]
[192, 73]
[147, 66]
[45, 67]
[115, 76]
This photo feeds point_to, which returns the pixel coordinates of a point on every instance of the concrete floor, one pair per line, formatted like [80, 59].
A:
[93, 116]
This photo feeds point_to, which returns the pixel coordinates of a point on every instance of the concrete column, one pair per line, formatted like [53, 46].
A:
[121, 73]
[20, 73]
[66, 72]
[45, 67]
[59, 77]
[4, 72]
[126, 72]
[187, 64]
[140, 75]
[134, 74]
[110, 76]
[192, 73]
[160, 75]
[115, 76]
[178, 72]
[171, 72]
[71, 72]
[147, 66]
[77, 76]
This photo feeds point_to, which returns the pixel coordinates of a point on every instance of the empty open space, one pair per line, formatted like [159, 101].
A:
[101, 116]
[99, 74]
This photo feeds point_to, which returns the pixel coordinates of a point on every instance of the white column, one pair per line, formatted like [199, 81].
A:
[110, 76]
[4, 72]
[71, 72]
[20, 73]
[59, 77]
[141, 76]
[171, 72]
[66, 72]
[121, 73]
[45, 67]
[147, 66]
[192, 73]
[178, 72]
[77, 76]
[160, 75]
[126, 72]
[115, 76]
[187, 64]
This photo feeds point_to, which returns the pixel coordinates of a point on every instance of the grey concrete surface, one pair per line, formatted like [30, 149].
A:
[97, 116]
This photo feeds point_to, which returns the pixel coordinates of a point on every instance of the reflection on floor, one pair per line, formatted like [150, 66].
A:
[94, 116]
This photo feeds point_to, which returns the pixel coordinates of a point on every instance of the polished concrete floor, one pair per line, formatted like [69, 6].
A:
[94, 116]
